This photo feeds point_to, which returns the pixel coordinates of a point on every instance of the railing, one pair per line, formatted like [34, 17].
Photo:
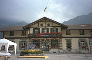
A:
[46, 35]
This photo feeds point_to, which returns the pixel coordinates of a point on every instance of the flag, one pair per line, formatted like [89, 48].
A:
[45, 8]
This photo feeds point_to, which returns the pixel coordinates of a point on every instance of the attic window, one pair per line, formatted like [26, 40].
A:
[48, 24]
[41, 24]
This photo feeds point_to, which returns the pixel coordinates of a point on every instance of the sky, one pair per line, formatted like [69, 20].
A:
[31, 10]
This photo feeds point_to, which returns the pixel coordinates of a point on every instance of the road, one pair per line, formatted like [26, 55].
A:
[57, 57]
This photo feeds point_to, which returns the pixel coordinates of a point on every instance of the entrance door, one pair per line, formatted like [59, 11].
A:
[68, 44]
[83, 46]
[45, 45]
[54, 44]
[36, 43]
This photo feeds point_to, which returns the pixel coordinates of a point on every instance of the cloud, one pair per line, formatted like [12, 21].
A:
[62, 10]
[56, 11]
[30, 10]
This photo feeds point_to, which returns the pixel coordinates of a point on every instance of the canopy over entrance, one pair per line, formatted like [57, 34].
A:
[7, 43]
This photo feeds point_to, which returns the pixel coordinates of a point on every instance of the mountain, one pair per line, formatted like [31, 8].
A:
[83, 19]
[10, 22]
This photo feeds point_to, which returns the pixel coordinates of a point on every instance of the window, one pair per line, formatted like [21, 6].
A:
[48, 24]
[23, 33]
[68, 32]
[68, 44]
[54, 44]
[90, 32]
[41, 24]
[11, 33]
[90, 42]
[22, 45]
[1, 35]
[54, 29]
[83, 44]
[45, 30]
[81, 32]
[36, 30]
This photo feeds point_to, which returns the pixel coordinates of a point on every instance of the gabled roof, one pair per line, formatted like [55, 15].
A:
[13, 28]
[45, 19]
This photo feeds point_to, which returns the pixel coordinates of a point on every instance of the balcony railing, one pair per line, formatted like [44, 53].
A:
[46, 35]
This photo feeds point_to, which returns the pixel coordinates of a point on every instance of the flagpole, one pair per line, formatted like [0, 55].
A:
[44, 12]
[45, 8]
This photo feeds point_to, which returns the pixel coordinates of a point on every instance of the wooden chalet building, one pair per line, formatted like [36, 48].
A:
[51, 36]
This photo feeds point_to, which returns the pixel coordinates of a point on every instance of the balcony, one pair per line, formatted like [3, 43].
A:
[46, 35]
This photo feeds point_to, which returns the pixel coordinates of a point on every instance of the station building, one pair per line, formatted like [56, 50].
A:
[52, 36]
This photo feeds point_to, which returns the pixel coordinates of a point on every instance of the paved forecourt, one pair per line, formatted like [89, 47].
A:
[57, 57]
